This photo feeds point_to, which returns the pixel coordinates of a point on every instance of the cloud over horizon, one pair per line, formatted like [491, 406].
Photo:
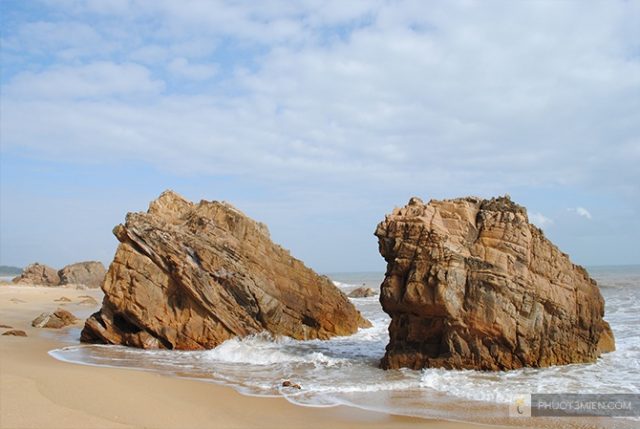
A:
[356, 105]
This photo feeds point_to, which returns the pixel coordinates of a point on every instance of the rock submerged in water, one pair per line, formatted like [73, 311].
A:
[190, 276]
[290, 384]
[87, 300]
[470, 283]
[362, 292]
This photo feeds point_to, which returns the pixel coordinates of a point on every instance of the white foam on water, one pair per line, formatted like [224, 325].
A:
[262, 349]
[342, 285]
[502, 387]
[344, 370]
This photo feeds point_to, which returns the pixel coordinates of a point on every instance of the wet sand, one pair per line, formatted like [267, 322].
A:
[38, 391]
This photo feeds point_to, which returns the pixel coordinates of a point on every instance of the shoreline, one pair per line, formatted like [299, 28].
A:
[40, 391]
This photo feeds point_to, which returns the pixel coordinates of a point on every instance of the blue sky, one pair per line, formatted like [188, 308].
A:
[317, 118]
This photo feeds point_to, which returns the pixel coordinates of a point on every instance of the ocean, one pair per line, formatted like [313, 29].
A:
[344, 370]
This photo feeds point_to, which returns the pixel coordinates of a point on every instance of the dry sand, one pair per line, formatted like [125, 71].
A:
[38, 391]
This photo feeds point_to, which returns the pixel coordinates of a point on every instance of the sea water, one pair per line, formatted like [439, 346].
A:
[344, 370]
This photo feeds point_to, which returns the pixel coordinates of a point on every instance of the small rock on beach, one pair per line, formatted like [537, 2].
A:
[15, 333]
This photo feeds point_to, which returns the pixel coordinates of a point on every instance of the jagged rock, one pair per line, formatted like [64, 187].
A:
[15, 333]
[362, 292]
[470, 283]
[190, 276]
[90, 274]
[56, 320]
[38, 274]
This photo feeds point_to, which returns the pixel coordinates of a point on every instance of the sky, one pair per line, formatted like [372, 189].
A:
[317, 117]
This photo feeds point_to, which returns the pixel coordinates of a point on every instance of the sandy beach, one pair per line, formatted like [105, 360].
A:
[38, 391]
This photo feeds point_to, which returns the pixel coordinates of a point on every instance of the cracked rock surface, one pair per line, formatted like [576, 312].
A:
[89, 273]
[190, 276]
[470, 283]
[38, 274]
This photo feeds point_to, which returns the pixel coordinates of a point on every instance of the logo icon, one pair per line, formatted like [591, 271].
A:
[520, 406]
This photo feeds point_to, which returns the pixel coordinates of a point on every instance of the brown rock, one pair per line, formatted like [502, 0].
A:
[5, 326]
[470, 283]
[62, 299]
[15, 333]
[90, 274]
[89, 300]
[38, 274]
[362, 292]
[190, 276]
[56, 320]
[289, 383]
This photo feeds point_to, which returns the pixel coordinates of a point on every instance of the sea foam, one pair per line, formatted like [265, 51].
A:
[344, 370]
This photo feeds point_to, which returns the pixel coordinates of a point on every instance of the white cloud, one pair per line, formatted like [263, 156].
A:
[183, 68]
[343, 108]
[98, 79]
[581, 211]
[445, 94]
[540, 220]
[66, 40]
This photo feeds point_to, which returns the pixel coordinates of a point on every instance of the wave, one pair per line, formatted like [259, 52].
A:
[344, 370]
[263, 349]
[342, 285]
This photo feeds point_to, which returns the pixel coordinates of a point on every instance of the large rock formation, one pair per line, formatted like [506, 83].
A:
[38, 274]
[190, 276]
[90, 274]
[470, 283]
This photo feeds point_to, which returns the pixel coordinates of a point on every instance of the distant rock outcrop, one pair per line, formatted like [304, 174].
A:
[56, 320]
[362, 292]
[90, 274]
[38, 274]
[470, 283]
[190, 276]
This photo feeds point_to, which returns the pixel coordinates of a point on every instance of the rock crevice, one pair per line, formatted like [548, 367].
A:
[470, 283]
[190, 276]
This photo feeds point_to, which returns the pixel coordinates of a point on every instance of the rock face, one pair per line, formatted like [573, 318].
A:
[56, 320]
[190, 276]
[470, 283]
[90, 274]
[38, 274]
